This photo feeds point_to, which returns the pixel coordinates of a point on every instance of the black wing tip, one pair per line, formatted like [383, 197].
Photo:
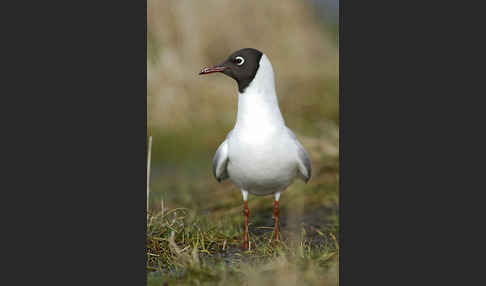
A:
[310, 170]
[219, 179]
[307, 179]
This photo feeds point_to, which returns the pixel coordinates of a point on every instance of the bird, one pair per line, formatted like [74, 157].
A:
[260, 155]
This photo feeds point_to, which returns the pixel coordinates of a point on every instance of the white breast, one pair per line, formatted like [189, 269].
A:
[262, 156]
[261, 166]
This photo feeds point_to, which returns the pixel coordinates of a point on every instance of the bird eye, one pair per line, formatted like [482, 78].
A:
[239, 60]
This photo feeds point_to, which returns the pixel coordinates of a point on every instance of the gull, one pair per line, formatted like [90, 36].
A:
[261, 155]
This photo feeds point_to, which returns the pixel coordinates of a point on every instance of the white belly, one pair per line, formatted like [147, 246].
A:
[261, 166]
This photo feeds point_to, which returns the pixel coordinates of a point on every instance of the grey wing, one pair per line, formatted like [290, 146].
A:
[220, 161]
[304, 164]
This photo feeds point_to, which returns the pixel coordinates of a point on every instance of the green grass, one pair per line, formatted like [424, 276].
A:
[184, 248]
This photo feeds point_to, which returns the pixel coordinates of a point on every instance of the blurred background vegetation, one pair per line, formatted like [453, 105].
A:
[190, 115]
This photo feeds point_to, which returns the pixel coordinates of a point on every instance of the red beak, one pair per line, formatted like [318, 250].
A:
[212, 69]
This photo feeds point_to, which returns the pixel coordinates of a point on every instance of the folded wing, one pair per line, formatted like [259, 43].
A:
[303, 161]
[220, 161]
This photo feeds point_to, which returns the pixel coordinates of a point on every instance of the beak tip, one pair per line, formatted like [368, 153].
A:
[208, 70]
[203, 71]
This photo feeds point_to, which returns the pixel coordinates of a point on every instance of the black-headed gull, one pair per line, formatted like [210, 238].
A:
[260, 155]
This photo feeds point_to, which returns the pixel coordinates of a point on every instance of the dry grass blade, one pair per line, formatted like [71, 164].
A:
[173, 245]
[149, 157]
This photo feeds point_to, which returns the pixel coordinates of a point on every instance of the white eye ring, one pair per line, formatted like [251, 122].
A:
[238, 62]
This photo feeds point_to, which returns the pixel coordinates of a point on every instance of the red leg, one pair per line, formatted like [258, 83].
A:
[246, 211]
[275, 215]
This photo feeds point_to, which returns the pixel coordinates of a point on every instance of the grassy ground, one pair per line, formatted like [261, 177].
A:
[183, 249]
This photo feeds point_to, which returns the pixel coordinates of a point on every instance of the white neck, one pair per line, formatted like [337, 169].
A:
[258, 104]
